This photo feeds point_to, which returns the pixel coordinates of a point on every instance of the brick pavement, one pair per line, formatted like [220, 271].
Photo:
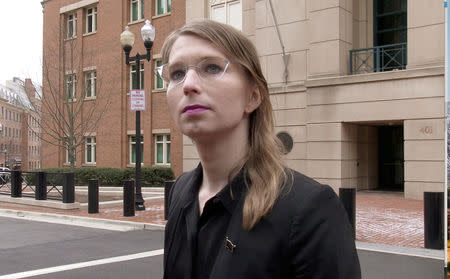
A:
[388, 218]
[381, 217]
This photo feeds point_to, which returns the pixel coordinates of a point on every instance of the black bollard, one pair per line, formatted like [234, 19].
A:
[348, 199]
[167, 188]
[93, 196]
[68, 187]
[128, 198]
[41, 186]
[16, 184]
[434, 220]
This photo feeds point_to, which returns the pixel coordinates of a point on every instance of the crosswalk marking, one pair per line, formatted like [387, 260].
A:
[66, 267]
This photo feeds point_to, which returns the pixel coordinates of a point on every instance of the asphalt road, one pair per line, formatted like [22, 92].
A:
[31, 249]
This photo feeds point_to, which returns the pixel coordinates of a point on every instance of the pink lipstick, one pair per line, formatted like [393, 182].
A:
[194, 109]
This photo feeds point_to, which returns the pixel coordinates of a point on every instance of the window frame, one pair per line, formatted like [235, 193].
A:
[133, 72]
[67, 156]
[166, 7]
[71, 82]
[133, 143]
[93, 24]
[140, 10]
[226, 4]
[90, 146]
[166, 144]
[90, 78]
[71, 30]
[157, 63]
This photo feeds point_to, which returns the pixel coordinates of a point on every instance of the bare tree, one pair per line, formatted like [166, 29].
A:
[74, 97]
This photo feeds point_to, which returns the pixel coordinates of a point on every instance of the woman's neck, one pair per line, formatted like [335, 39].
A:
[221, 158]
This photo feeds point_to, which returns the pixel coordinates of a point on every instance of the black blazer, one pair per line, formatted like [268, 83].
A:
[306, 235]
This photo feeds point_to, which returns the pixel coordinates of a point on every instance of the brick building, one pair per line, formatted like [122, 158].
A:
[20, 144]
[84, 67]
[357, 86]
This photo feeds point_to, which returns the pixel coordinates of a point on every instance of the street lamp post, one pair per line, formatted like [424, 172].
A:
[127, 41]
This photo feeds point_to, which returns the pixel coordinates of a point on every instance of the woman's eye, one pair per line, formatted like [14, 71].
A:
[212, 69]
[177, 75]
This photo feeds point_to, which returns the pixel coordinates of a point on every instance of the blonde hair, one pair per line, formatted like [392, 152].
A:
[264, 172]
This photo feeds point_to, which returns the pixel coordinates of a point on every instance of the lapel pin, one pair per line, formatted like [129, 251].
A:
[229, 245]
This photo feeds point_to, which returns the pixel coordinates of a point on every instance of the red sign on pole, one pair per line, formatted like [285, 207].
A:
[137, 100]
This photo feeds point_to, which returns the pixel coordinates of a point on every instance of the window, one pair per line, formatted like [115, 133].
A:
[91, 84]
[137, 10]
[71, 26]
[159, 82]
[162, 149]
[133, 149]
[67, 154]
[90, 150]
[71, 85]
[390, 22]
[229, 12]
[91, 20]
[163, 6]
[133, 77]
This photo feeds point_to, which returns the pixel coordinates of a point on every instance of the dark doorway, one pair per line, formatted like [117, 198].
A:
[390, 158]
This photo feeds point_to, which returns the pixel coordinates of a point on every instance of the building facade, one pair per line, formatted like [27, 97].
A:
[357, 86]
[84, 67]
[20, 143]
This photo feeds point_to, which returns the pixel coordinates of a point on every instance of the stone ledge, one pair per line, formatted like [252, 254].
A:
[40, 203]
[373, 77]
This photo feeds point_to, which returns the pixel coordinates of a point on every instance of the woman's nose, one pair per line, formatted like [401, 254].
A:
[191, 81]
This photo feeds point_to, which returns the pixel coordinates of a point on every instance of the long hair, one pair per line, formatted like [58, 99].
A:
[263, 168]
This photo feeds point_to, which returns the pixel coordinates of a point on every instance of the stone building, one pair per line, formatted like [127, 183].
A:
[84, 65]
[357, 86]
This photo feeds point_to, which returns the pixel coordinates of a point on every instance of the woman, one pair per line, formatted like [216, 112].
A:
[241, 213]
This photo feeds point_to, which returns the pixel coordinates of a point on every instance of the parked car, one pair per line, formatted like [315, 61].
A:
[5, 174]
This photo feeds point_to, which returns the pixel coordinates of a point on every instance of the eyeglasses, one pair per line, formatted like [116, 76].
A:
[208, 69]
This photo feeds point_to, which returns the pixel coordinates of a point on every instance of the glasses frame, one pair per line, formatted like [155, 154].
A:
[159, 70]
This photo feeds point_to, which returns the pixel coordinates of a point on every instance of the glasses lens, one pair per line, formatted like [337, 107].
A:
[212, 68]
[208, 69]
[175, 73]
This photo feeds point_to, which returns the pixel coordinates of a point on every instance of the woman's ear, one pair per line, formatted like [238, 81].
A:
[254, 100]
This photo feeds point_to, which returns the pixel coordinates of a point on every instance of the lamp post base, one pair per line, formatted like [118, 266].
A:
[140, 206]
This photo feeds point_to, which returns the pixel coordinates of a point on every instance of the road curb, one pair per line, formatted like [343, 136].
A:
[99, 223]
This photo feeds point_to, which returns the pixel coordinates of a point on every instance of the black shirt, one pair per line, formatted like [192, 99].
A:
[210, 228]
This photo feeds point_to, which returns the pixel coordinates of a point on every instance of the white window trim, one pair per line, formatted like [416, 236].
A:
[93, 145]
[140, 16]
[93, 87]
[74, 26]
[164, 143]
[156, 88]
[225, 4]
[94, 20]
[67, 163]
[130, 162]
[73, 82]
[165, 12]
[142, 70]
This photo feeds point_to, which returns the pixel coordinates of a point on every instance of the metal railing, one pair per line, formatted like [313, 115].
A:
[378, 59]
[28, 182]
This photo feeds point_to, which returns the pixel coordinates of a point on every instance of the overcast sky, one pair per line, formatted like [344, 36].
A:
[21, 43]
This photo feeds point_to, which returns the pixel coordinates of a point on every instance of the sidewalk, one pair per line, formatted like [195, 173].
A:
[381, 217]
[388, 218]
